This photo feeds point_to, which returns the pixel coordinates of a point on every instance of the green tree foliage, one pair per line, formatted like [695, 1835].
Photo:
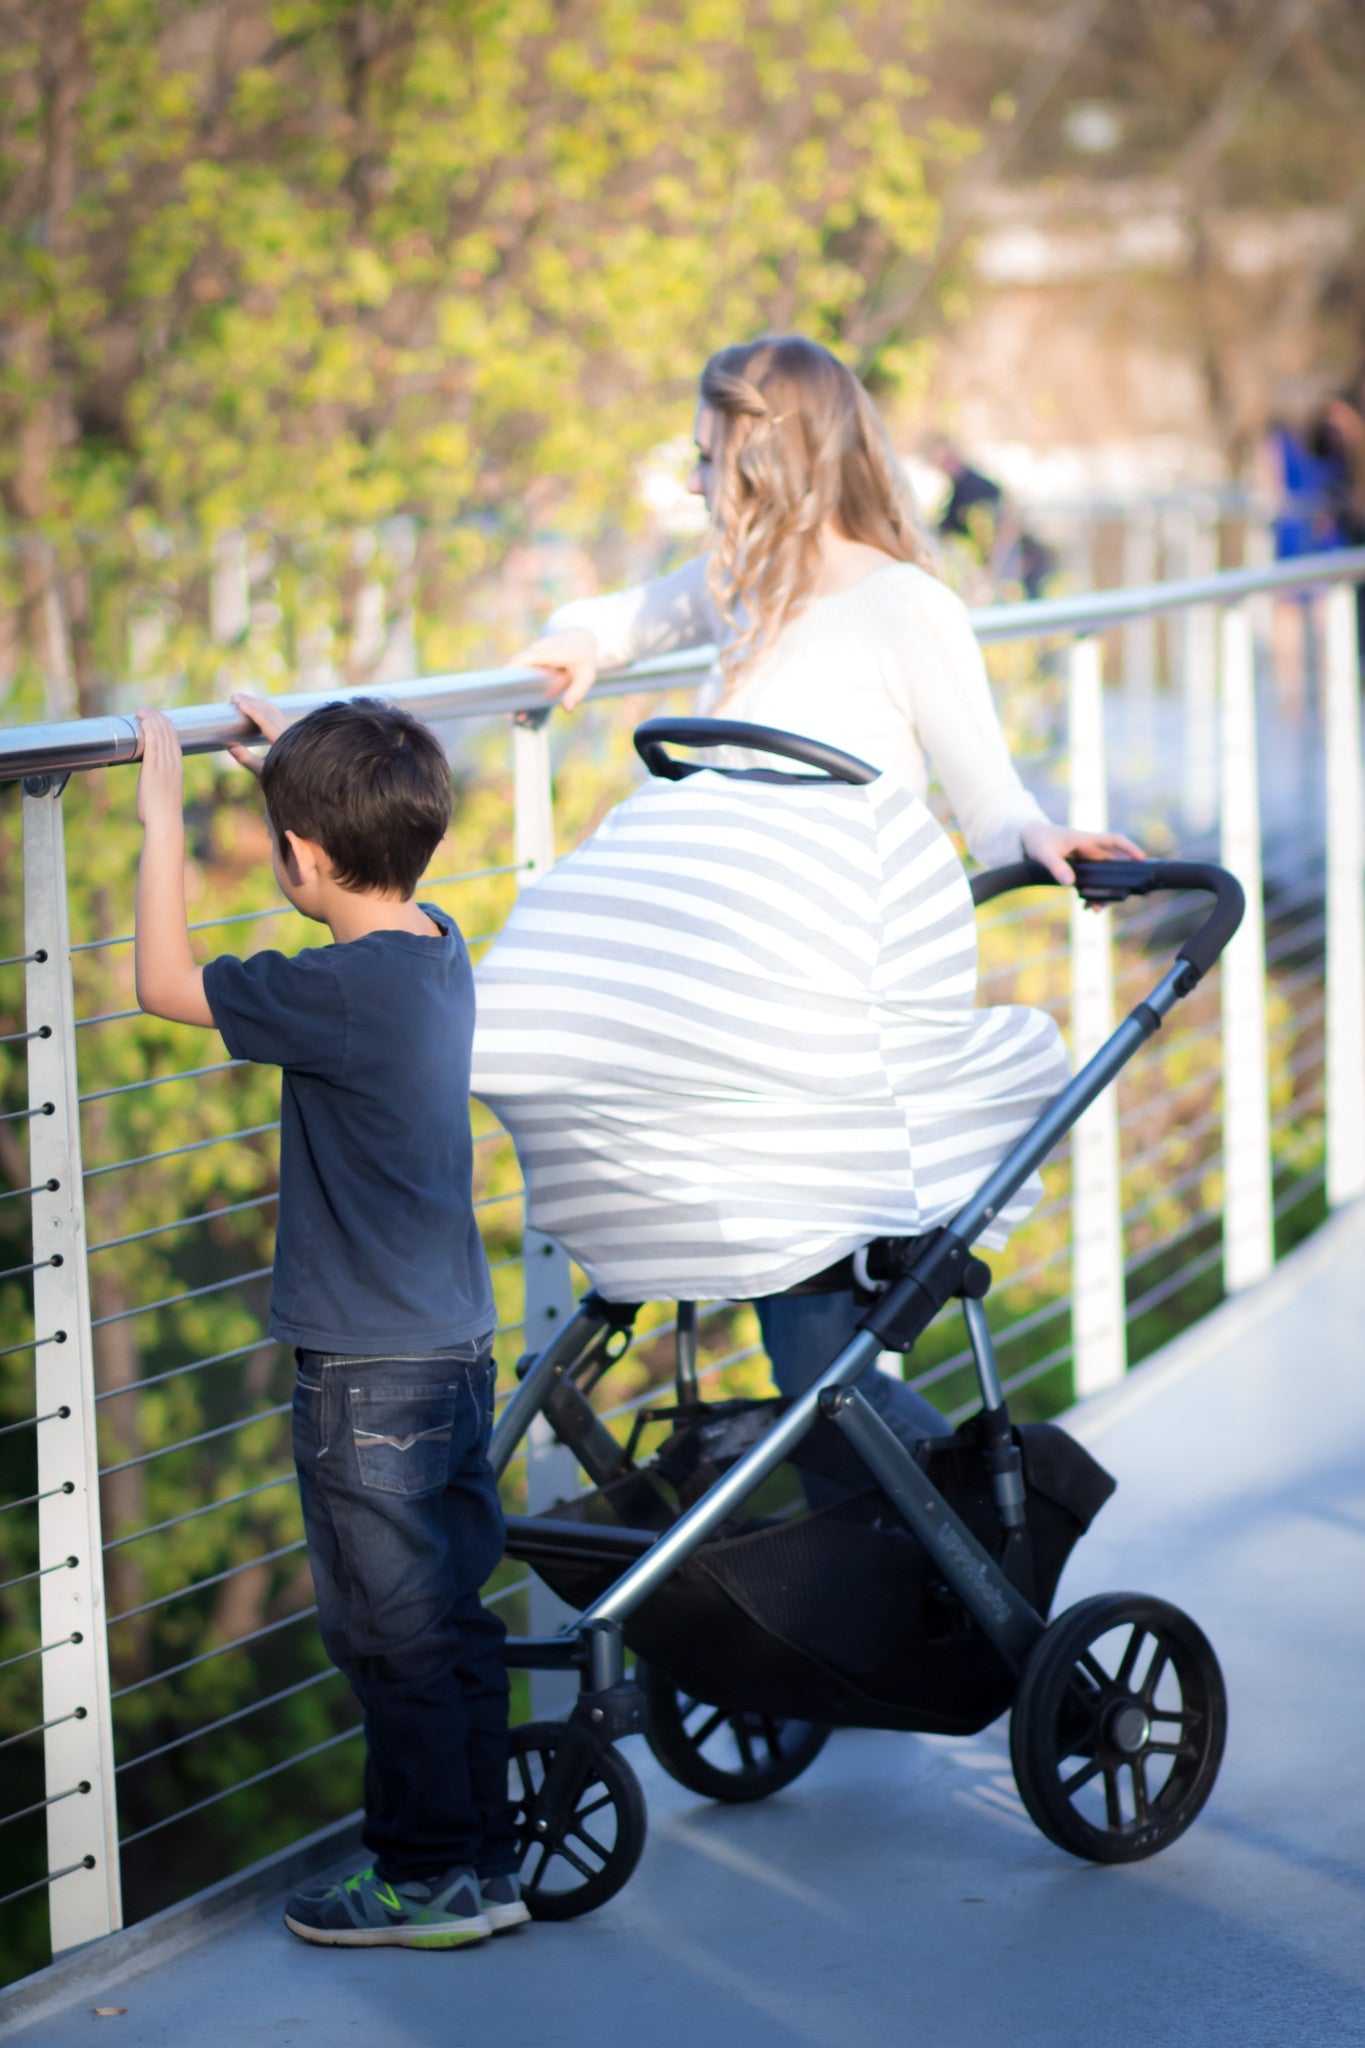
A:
[316, 263]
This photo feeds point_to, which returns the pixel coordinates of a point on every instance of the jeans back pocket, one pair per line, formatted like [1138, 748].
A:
[403, 1435]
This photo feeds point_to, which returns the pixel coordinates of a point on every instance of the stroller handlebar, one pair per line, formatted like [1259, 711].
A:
[1110, 881]
[1097, 881]
[834, 765]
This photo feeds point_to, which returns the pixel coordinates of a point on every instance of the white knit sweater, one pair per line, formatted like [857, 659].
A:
[888, 670]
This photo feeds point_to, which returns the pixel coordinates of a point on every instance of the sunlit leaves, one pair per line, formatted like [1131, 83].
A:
[297, 248]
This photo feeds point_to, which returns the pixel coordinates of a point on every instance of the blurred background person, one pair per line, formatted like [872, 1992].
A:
[979, 513]
[1305, 473]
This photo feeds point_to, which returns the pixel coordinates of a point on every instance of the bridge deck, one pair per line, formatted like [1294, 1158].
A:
[896, 1893]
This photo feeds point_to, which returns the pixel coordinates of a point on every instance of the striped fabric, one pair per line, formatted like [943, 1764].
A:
[733, 1038]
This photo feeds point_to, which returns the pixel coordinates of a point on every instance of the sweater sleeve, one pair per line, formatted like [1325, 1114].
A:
[941, 685]
[669, 613]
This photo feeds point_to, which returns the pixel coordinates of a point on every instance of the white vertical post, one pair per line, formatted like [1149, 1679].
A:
[1098, 1324]
[532, 798]
[1345, 1031]
[1248, 1215]
[82, 1823]
[551, 1470]
[1199, 677]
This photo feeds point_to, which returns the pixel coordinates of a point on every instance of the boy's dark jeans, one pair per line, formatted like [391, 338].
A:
[404, 1525]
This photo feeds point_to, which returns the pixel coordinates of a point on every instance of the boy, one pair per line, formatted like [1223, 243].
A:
[380, 1284]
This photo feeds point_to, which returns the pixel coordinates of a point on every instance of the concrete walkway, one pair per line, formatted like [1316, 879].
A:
[896, 1894]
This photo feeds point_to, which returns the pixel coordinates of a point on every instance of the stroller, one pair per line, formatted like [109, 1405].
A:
[780, 1569]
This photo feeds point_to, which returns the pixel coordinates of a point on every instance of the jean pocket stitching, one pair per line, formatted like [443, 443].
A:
[439, 1435]
[402, 1440]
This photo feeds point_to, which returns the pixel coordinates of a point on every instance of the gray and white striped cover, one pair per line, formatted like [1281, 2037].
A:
[733, 1038]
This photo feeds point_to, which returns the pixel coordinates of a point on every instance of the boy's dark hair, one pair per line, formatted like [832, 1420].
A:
[366, 782]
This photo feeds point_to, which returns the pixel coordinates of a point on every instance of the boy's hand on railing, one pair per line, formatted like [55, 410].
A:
[267, 717]
[161, 780]
[1052, 844]
[569, 659]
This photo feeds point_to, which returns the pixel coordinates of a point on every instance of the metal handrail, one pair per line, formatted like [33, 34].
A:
[1096, 610]
[81, 743]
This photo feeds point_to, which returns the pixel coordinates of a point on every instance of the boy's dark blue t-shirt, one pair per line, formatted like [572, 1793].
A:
[377, 1246]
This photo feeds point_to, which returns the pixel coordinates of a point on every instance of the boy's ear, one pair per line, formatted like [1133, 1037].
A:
[304, 857]
[289, 855]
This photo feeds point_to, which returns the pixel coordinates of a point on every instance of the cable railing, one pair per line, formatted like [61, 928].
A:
[159, 1667]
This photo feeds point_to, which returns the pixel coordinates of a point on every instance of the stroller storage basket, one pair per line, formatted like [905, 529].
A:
[830, 1612]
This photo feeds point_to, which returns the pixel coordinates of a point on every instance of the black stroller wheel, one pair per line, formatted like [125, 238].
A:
[735, 1757]
[1118, 1727]
[589, 1859]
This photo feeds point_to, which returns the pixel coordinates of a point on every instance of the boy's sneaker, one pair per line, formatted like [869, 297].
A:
[503, 1906]
[366, 1911]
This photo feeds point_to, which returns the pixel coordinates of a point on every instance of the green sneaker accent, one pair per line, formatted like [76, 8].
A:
[366, 1911]
[443, 1940]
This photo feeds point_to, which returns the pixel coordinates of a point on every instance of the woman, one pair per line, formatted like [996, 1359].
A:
[818, 592]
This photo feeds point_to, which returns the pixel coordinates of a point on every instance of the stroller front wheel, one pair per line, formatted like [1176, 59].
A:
[587, 1858]
[1118, 1726]
[734, 1757]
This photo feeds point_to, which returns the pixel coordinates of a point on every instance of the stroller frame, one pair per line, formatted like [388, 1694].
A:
[933, 1270]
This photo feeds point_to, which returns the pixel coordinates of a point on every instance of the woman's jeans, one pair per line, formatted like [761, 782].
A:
[404, 1525]
[803, 1334]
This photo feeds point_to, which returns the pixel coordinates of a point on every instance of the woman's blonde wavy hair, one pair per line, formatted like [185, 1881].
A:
[797, 442]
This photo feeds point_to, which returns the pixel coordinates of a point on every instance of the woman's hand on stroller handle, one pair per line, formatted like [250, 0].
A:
[1111, 880]
[1052, 844]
